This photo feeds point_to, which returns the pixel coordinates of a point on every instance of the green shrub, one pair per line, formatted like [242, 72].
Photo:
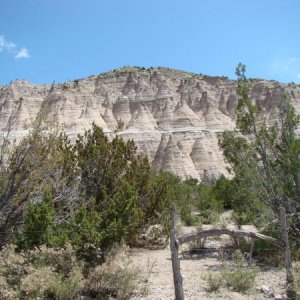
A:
[238, 276]
[214, 281]
[114, 196]
[250, 211]
[239, 279]
[208, 205]
[39, 228]
[223, 190]
[186, 216]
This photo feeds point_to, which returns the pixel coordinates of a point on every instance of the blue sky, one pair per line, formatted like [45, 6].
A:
[59, 40]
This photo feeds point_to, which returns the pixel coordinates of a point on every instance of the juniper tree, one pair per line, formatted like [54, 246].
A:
[266, 156]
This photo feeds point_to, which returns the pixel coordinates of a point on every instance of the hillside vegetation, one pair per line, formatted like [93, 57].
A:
[75, 202]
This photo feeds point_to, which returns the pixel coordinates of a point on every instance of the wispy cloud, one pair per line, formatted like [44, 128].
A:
[290, 62]
[5, 45]
[23, 53]
[285, 64]
[286, 68]
[10, 47]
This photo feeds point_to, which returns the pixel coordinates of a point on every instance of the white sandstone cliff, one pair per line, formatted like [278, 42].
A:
[173, 116]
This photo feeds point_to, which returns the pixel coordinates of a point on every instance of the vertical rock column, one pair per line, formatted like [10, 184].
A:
[121, 110]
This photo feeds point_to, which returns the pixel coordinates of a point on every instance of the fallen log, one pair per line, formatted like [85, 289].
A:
[220, 231]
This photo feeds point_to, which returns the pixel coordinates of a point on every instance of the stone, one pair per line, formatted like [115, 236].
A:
[155, 235]
[173, 116]
[268, 293]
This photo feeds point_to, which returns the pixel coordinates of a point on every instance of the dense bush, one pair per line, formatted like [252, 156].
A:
[38, 224]
[204, 199]
[209, 205]
[236, 194]
[91, 193]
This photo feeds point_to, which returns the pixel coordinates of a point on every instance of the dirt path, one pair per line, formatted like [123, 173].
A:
[156, 266]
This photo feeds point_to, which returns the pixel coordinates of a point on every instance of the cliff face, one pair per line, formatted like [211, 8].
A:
[173, 116]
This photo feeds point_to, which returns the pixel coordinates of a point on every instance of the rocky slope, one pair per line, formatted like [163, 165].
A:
[173, 116]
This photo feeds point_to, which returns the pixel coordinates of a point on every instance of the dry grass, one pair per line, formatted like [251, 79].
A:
[58, 274]
[236, 276]
[115, 278]
[297, 277]
[44, 273]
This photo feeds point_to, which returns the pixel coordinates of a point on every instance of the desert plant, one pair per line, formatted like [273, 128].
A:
[12, 266]
[186, 216]
[143, 287]
[62, 261]
[214, 281]
[38, 220]
[238, 276]
[115, 278]
[8, 294]
[113, 193]
[46, 284]
[208, 204]
[239, 279]
[44, 273]
[67, 288]
[297, 277]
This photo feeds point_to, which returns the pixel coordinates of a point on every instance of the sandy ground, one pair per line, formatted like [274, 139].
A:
[156, 267]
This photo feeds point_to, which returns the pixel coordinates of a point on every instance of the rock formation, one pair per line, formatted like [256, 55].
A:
[173, 116]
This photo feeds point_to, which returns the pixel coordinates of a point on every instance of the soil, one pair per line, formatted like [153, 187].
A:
[156, 269]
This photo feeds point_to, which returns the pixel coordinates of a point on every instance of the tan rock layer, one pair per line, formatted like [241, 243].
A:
[173, 116]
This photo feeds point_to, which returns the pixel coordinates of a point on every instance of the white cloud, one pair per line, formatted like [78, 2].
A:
[6, 45]
[10, 47]
[23, 53]
[298, 76]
